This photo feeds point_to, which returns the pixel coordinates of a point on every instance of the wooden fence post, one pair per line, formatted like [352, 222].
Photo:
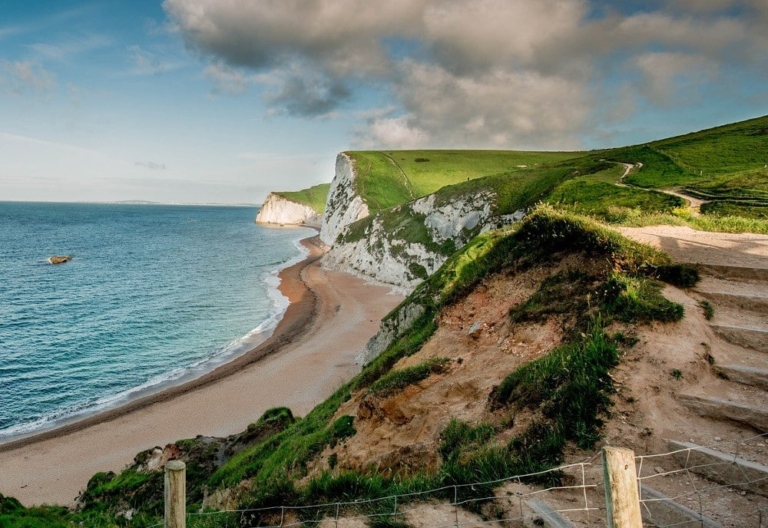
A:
[175, 494]
[622, 500]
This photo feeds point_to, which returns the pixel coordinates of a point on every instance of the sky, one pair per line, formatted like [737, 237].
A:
[223, 101]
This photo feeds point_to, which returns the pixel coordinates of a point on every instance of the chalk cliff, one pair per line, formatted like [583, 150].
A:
[279, 210]
[344, 204]
[404, 245]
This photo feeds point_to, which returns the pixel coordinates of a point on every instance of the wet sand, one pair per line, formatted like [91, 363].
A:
[310, 354]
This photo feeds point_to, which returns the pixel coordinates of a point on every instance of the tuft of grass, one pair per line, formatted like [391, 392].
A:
[709, 309]
[459, 438]
[676, 373]
[637, 300]
[398, 380]
[571, 385]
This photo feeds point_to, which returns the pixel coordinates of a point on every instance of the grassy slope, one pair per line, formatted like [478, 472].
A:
[314, 196]
[390, 178]
[724, 163]
[727, 161]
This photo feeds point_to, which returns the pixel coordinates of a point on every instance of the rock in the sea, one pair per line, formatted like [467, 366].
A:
[60, 259]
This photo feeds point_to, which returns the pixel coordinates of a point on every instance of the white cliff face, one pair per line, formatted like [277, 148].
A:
[451, 220]
[278, 210]
[383, 260]
[344, 205]
[385, 256]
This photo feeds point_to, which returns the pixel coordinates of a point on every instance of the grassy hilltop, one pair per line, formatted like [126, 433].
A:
[727, 167]
[389, 178]
[314, 196]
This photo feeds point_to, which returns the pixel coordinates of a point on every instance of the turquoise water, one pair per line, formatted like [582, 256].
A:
[154, 294]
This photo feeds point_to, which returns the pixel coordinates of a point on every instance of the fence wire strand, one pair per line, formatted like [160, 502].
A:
[680, 487]
[398, 499]
[719, 478]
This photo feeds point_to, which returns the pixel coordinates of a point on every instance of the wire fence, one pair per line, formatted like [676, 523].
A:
[717, 483]
[397, 510]
[690, 486]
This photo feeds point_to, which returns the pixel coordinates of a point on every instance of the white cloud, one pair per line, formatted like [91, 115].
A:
[494, 109]
[495, 73]
[472, 34]
[66, 48]
[664, 73]
[145, 62]
[21, 77]
[227, 79]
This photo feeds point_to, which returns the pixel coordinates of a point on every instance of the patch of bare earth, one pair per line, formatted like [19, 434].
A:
[399, 434]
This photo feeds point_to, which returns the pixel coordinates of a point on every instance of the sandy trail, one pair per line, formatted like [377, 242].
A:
[683, 244]
[334, 315]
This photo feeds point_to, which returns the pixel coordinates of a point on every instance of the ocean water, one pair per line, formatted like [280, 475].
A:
[154, 295]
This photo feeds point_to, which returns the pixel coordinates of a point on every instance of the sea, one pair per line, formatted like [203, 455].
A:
[154, 295]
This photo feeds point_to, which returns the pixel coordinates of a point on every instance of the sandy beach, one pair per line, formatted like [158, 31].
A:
[310, 354]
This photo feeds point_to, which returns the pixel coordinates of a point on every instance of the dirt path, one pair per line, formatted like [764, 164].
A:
[683, 244]
[694, 203]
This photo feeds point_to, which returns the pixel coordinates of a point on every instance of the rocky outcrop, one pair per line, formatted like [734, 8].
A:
[401, 246]
[344, 204]
[391, 328]
[279, 210]
[404, 246]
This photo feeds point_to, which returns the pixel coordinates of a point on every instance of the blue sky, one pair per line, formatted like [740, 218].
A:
[224, 100]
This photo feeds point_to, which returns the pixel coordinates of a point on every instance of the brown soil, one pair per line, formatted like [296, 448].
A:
[399, 434]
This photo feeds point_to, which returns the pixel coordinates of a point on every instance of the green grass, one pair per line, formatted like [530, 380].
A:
[598, 198]
[747, 185]
[722, 150]
[638, 300]
[398, 380]
[570, 385]
[389, 178]
[728, 161]
[314, 197]
[684, 217]
[725, 209]
[14, 515]
[659, 171]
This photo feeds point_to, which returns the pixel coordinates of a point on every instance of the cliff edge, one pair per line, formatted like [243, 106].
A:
[344, 204]
[280, 210]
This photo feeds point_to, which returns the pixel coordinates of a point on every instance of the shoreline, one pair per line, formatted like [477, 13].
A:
[301, 309]
[310, 353]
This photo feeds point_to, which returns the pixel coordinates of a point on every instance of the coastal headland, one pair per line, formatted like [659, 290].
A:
[330, 317]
